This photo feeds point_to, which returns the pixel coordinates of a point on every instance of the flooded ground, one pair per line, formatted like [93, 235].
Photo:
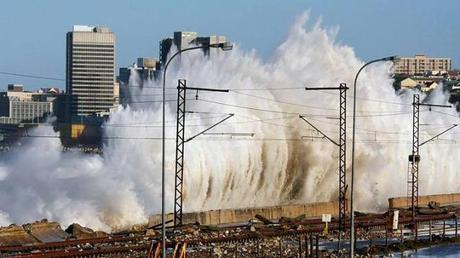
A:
[446, 250]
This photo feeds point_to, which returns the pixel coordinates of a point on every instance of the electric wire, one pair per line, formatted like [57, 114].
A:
[31, 76]
[303, 139]
[291, 113]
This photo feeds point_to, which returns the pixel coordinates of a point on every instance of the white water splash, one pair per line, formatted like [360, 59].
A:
[122, 187]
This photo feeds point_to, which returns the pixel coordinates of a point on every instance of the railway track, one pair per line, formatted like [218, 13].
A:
[148, 246]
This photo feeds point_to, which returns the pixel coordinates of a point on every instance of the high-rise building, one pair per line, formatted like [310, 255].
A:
[181, 39]
[90, 78]
[144, 70]
[421, 64]
[184, 39]
[165, 46]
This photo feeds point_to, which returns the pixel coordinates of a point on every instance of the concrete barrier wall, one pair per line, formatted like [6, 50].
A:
[442, 199]
[215, 217]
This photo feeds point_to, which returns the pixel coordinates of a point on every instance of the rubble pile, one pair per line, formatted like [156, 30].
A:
[15, 235]
[44, 231]
[258, 237]
[77, 231]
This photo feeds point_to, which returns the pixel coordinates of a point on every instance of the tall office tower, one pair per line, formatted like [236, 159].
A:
[182, 39]
[185, 39]
[90, 78]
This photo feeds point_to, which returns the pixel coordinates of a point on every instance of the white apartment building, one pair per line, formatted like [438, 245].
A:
[421, 64]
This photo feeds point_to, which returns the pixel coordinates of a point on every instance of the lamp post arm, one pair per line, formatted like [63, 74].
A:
[352, 212]
[163, 227]
[173, 56]
[364, 66]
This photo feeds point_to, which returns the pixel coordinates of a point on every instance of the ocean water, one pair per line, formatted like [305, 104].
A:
[445, 250]
[283, 163]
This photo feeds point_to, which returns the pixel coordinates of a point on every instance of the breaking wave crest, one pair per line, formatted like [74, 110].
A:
[283, 162]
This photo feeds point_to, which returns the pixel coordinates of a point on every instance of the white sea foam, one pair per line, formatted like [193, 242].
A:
[122, 186]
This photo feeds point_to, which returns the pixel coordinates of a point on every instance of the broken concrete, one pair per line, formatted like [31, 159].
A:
[45, 231]
[16, 235]
[79, 232]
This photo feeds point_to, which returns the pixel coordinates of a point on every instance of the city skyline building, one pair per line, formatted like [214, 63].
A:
[144, 69]
[185, 39]
[421, 64]
[17, 105]
[90, 71]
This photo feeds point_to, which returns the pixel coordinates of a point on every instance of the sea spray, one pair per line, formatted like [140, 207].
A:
[283, 162]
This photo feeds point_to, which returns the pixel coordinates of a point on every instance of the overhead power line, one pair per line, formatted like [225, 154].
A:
[232, 89]
[294, 113]
[32, 76]
[301, 139]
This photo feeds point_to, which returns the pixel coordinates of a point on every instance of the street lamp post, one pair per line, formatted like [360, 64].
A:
[224, 46]
[352, 212]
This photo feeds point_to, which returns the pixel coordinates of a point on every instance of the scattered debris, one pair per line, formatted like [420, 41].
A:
[258, 238]
[15, 235]
[263, 219]
[45, 231]
[79, 232]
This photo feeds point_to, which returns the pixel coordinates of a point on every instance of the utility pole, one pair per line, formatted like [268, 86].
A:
[179, 168]
[180, 144]
[342, 151]
[414, 158]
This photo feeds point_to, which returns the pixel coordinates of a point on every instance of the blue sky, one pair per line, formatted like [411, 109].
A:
[33, 31]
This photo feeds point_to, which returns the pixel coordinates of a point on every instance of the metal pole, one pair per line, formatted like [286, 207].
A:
[415, 155]
[163, 226]
[317, 246]
[163, 123]
[280, 247]
[402, 233]
[342, 161]
[306, 246]
[386, 236]
[342, 151]
[180, 145]
[180, 142]
[414, 158]
[236, 250]
[429, 231]
[300, 246]
[444, 229]
[456, 227]
[258, 248]
[352, 215]
[370, 238]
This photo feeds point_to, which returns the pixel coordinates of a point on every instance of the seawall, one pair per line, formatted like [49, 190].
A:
[226, 216]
